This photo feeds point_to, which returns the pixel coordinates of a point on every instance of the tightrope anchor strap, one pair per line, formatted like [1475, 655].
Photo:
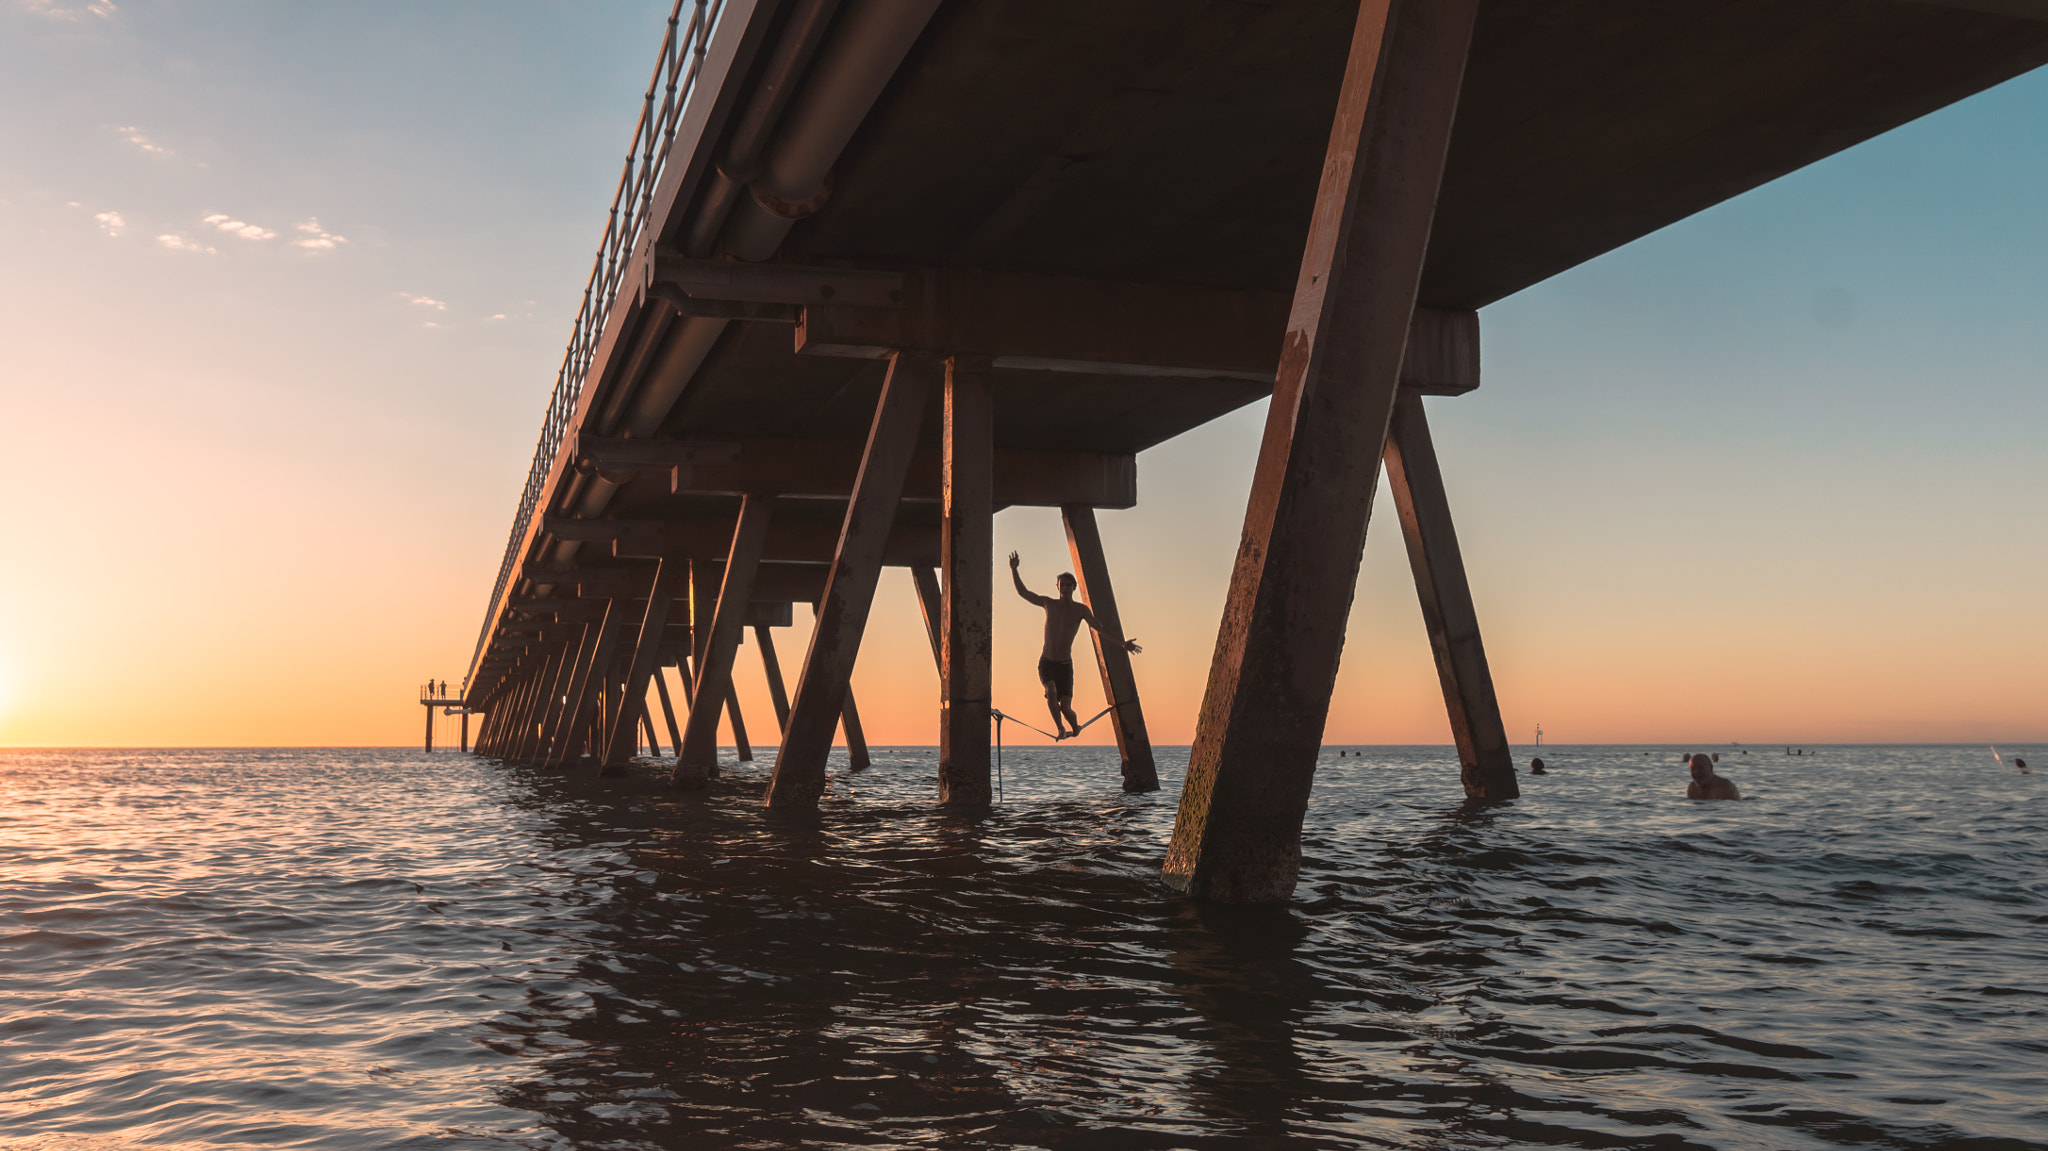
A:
[999, 715]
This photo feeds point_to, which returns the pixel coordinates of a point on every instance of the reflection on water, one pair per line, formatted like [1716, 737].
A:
[380, 949]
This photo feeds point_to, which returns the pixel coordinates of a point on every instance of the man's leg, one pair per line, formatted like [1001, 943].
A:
[1067, 706]
[1062, 685]
[1052, 705]
[1051, 683]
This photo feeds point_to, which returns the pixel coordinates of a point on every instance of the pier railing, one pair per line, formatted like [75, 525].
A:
[690, 27]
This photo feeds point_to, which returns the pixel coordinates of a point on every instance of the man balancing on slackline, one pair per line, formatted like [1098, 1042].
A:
[1063, 618]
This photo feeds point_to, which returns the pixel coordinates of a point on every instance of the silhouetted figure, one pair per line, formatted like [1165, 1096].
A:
[1536, 766]
[2022, 765]
[1063, 617]
[1706, 785]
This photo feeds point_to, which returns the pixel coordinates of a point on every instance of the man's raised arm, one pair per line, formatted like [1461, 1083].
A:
[1030, 596]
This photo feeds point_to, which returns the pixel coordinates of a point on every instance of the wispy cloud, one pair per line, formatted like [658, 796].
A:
[240, 228]
[63, 10]
[316, 238]
[111, 223]
[134, 136]
[423, 301]
[181, 244]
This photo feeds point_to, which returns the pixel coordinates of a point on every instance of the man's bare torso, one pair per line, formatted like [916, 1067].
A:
[1063, 618]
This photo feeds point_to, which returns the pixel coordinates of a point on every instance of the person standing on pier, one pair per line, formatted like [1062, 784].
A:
[1063, 618]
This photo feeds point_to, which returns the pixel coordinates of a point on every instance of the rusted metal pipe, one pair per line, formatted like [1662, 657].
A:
[868, 44]
[802, 32]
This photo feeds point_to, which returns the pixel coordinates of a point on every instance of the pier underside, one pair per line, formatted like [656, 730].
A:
[906, 263]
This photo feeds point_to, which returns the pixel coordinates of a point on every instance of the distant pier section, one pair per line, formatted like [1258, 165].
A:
[434, 696]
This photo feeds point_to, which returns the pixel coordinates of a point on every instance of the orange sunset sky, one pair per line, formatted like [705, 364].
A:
[283, 295]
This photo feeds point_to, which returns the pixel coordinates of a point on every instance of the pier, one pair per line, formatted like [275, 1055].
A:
[878, 269]
[434, 697]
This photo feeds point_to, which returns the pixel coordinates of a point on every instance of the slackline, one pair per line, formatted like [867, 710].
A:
[1000, 717]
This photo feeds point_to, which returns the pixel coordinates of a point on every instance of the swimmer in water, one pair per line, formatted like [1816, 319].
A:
[1706, 785]
[1536, 766]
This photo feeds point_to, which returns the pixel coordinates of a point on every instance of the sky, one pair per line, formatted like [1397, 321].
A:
[283, 289]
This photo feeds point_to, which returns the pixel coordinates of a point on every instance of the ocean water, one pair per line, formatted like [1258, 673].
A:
[372, 949]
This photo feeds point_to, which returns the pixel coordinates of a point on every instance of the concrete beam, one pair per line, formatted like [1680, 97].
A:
[707, 539]
[1030, 322]
[826, 469]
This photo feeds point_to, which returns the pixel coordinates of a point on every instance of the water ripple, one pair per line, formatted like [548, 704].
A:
[371, 949]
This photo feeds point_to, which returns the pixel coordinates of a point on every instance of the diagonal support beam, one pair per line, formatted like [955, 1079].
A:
[764, 638]
[856, 739]
[668, 709]
[850, 587]
[554, 715]
[1237, 835]
[516, 707]
[1119, 683]
[519, 709]
[671, 579]
[1486, 764]
[741, 749]
[699, 751]
[593, 675]
[932, 603]
[967, 555]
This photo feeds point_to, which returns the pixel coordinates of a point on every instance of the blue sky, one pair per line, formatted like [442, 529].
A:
[1771, 474]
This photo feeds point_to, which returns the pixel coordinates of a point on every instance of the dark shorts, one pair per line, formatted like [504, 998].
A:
[1057, 674]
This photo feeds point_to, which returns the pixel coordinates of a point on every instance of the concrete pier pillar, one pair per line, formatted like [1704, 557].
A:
[856, 739]
[671, 579]
[555, 705]
[1119, 684]
[699, 751]
[771, 667]
[931, 603]
[539, 716]
[814, 713]
[967, 557]
[583, 696]
[668, 709]
[1486, 764]
[741, 749]
[1237, 835]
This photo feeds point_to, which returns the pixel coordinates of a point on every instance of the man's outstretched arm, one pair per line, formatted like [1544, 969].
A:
[1030, 596]
[1129, 645]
